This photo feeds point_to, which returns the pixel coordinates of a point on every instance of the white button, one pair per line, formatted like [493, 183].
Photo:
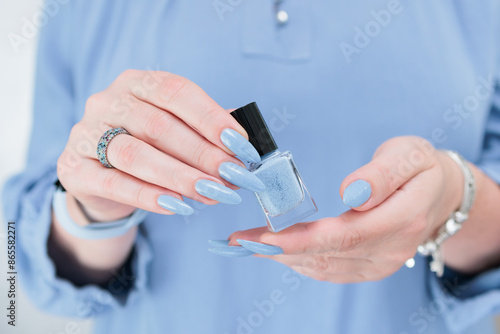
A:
[282, 17]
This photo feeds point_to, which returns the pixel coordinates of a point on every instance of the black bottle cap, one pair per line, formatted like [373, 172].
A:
[252, 121]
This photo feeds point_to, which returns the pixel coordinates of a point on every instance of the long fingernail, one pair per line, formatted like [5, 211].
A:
[231, 251]
[219, 243]
[239, 145]
[240, 177]
[357, 193]
[217, 191]
[175, 205]
[260, 248]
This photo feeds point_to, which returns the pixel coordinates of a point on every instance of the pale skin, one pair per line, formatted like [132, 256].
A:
[175, 142]
[374, 240]
[370, 242]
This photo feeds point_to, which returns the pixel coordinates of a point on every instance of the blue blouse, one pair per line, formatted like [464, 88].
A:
[336, 81]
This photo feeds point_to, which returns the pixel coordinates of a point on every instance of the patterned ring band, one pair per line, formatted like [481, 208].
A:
[102, 146]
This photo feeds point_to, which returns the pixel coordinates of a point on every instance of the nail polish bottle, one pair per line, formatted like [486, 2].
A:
[286, 200]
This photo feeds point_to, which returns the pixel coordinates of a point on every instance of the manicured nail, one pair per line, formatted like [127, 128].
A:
[219, 243]
[231, 251]
[240, 177]
[217, 191]
[260, 248]
[357, 193]
[175, 205]
[239, 145]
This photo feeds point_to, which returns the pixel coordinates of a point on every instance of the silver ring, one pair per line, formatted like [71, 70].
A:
[102, 145]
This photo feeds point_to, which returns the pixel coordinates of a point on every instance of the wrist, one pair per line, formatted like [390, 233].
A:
[456, 218]
[454, 183]
[75, 212]
[451, 194]
[81, 228]
[105, 210]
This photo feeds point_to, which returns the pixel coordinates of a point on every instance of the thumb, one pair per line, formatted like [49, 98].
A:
[394, 163]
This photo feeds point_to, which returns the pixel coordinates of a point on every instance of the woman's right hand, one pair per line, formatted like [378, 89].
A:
[182, 143]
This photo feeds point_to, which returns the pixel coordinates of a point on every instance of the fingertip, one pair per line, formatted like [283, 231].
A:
[254, 234]
[174, 205]
[357, 193]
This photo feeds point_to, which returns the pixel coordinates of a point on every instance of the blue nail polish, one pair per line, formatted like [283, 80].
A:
[239, 145]
[175, 205]
[240, 177]
[260, 248]
[218, 243]
[231, 251]
[217, 191]
[286, 200]
[357, 193]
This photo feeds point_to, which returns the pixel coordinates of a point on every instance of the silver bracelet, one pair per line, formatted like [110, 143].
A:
[456, 219]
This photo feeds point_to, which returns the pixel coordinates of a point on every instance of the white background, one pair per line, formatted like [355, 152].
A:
[16, 78]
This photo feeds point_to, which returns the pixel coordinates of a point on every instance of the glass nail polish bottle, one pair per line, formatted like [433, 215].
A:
[286, 200]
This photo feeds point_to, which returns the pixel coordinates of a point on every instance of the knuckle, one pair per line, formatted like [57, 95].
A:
[76, 130]
[94, 103]
[110, 183]
[177, 180]
[203, 155]
[124, 155]
[157, 126]
[212, 113]
[318, 264]
[211, 118]
[140, 197]
[169, 89]
[322, 241]
[387, 176]
[419, 143]
[350, 240]
[75, 135]
[128, 74]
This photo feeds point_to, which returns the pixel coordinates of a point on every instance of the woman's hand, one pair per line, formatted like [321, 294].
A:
[178, 147]
[414, 189]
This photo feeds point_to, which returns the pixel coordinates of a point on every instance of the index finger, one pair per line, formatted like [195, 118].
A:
[187, 101]
[324, 235]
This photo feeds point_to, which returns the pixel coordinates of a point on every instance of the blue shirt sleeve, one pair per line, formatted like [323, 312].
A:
[490, 158]
[27, 196]
[466, 300]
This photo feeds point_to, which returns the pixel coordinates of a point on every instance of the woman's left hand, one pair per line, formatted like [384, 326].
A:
[414, 189]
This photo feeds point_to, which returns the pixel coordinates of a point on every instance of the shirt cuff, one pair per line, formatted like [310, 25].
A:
[466, 300]
[37, 272]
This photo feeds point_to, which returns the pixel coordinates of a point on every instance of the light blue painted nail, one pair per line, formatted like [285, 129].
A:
[239, 145]
[260, 248]
[240, 177]
[218, 243]
[217, 191]
[175, 205]
[231, 251]
[357, 193]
